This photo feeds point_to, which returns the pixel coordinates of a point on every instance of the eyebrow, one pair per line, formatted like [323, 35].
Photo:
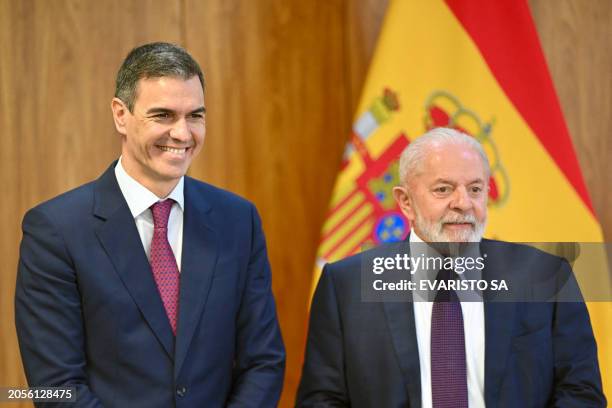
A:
[445, 181]
[201, 109]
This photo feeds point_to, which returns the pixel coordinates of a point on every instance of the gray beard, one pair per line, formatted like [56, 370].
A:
[434, 231]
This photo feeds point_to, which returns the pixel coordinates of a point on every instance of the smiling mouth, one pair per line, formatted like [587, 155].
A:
[175, 150]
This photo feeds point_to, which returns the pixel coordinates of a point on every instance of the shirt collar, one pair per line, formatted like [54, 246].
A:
[418, 247]
[414, 237]
[138, 197]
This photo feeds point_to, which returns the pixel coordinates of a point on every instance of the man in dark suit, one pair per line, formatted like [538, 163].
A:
[526, 347]
[147, 288]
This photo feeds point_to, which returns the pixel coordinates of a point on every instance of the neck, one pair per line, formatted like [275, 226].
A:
[161, 188]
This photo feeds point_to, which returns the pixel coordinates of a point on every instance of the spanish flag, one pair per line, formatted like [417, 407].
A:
[475, 65]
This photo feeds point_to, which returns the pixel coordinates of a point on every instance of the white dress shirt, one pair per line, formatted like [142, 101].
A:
[140, 199]
[474, 331]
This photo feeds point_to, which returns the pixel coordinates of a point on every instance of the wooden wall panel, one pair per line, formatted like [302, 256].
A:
[58, 61]
[277, 120]
[576, 37]
[363, 23]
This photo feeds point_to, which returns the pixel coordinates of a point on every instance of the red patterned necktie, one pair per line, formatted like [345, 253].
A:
[163, 263]
[448, 365]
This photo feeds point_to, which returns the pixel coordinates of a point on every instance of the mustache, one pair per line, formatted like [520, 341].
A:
[454, 218]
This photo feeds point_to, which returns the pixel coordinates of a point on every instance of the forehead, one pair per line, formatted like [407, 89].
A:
[169, 90]
[458, 163]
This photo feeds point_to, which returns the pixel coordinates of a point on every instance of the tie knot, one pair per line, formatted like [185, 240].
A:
[446, 274]
[161, 212]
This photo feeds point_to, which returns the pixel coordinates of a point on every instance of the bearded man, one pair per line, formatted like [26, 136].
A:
[447, 351]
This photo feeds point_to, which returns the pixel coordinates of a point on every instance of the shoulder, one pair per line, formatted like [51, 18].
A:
[347, 271]
[526, 267]
[66, 207]
[347, 265]
[216, 197]
[223, 206]
[522, 253]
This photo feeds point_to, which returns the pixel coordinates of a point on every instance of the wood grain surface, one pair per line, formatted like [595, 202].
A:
[576, 37]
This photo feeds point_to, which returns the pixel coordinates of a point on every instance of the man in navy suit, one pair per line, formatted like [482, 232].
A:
[523, 348]
[145, 287]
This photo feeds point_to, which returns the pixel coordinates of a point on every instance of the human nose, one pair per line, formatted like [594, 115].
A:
[461, 199]
[180, 131]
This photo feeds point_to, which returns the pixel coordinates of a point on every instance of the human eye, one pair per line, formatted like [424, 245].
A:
[475, 190]
[442, 190]
[161, 116]
[197, 115]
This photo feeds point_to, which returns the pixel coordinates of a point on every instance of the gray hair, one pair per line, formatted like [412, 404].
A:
[153, 60]
[412, 157]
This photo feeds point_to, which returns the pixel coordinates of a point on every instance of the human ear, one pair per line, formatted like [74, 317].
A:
[120, 114]
[404, 201]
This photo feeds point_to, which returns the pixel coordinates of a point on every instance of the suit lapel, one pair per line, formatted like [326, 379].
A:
[499, 321]
[120, 239]
[400, 318]
[199, 257]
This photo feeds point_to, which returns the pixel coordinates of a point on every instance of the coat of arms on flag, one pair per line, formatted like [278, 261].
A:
[363, 212]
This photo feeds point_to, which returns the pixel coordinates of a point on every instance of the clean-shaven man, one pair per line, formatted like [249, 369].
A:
[145, 287]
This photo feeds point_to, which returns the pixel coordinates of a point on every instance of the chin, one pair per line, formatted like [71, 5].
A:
[471, 235]
[436, 232]
[457, 236]
[467, 236]
[172, 172]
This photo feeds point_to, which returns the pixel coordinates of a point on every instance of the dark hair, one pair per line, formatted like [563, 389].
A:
[153, 60]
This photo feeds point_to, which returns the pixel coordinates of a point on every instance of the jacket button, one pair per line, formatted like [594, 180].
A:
[181, 390]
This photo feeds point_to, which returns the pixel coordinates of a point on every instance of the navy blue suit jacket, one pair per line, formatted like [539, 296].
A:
[88, 313]
[537, 354]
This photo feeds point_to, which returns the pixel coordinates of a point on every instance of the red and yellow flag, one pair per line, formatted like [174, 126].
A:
[475, 65]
